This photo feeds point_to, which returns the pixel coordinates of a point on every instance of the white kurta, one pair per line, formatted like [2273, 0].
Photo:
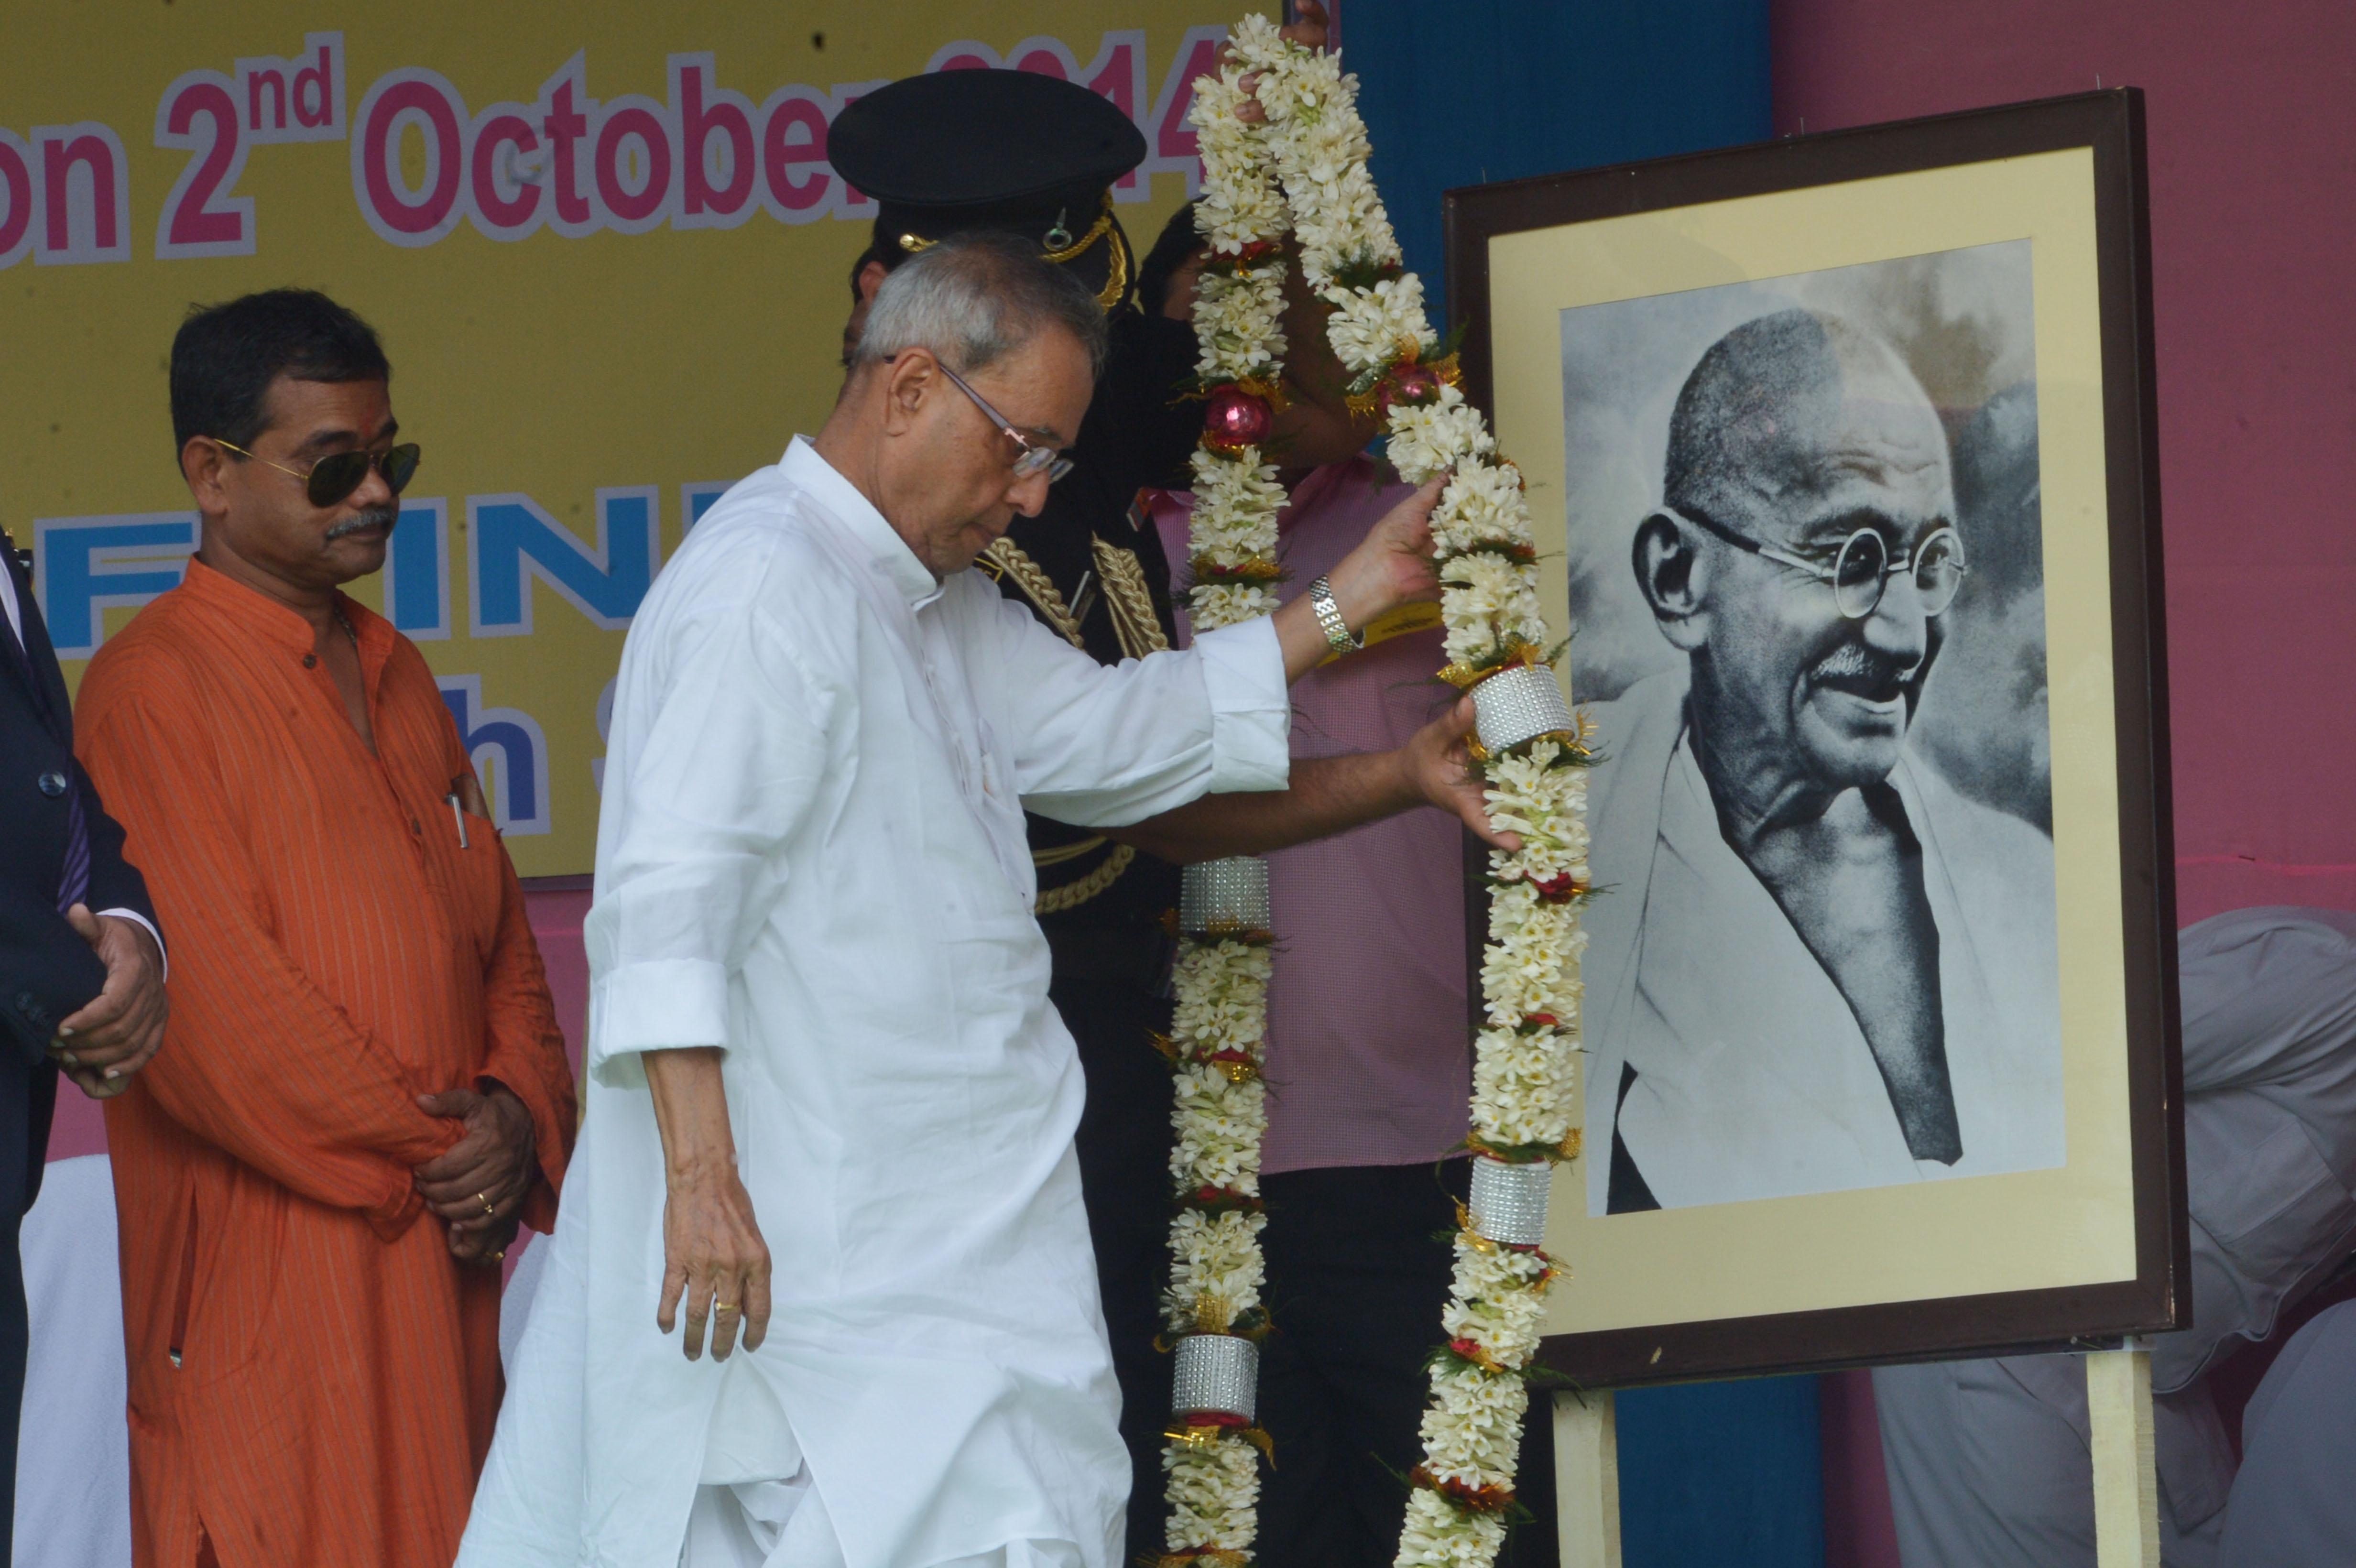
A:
[812, 853]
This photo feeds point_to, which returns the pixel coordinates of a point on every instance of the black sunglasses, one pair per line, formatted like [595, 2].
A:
[338, 473]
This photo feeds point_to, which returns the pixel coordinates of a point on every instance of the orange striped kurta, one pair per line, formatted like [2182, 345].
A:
[335, 952]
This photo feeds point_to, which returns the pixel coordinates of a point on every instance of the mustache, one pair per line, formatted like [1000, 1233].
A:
[374, 517]
[1856, 669]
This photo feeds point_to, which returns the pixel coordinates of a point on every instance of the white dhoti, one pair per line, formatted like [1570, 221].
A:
[783, 1524]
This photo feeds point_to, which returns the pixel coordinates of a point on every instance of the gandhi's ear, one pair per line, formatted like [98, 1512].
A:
[1673, 574]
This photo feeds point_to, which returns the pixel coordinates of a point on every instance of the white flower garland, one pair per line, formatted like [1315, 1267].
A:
[1220, 1028]
[1525, 1058]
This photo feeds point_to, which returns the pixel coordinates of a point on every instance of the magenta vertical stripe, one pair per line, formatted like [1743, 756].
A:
[1860, 1530]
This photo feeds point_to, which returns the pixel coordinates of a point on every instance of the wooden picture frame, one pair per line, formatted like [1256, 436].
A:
[2052, 194]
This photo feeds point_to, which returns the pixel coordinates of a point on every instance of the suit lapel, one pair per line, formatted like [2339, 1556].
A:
[37, 670]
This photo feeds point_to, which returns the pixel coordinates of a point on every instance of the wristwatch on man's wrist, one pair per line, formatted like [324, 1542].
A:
[1329, 618]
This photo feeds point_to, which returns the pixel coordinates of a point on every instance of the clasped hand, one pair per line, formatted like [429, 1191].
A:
[477, 1185]
[120, 1031]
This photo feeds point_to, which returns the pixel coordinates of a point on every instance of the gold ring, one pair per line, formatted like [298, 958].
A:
[499, 1255]
[489, 1206]
[723, 1306]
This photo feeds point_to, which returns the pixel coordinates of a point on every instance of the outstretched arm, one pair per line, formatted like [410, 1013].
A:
[1096, 746]
[1328, 795]
[1391, 567]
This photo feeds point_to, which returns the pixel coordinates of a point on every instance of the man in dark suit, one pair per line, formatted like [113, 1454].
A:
[79, 992]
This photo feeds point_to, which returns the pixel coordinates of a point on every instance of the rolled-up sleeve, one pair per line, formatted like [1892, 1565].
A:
[724, 750]
[1100, 745]
[1251, 714]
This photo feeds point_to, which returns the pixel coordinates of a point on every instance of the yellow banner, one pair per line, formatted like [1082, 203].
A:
[603, 246]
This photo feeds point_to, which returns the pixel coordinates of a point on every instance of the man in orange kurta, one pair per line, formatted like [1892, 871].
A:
[362, 1089]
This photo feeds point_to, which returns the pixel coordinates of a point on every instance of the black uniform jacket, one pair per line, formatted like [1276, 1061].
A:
[1092, 549]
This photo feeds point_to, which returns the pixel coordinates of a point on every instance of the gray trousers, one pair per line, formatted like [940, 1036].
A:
[1988, 1461]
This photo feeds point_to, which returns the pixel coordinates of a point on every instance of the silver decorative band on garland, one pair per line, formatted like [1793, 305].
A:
[1509, 1201]
[1521, 704]
[1215, 1374]
[1228, 895]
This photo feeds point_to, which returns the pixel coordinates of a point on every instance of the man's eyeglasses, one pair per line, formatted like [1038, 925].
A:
[1031, 457]
[1862, 570]
[337, 475]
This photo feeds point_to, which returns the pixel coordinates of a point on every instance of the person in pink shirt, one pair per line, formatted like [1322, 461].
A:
[1369, 1070]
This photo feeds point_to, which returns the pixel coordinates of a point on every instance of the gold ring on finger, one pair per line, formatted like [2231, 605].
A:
[489, 1206]
[723, 1306]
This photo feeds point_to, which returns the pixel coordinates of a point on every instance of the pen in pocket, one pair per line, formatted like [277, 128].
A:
[458, 817]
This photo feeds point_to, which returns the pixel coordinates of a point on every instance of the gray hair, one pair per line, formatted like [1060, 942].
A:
[976, 297]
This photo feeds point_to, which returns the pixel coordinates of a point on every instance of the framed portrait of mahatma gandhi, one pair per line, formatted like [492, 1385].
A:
[1840, 451]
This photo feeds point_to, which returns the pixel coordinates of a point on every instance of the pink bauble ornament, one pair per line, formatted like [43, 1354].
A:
[1236, 417]
[1414, 384]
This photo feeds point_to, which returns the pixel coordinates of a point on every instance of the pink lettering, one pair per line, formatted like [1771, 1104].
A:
[17, 187]
[191, 220]
[698, 124]
[413, 99]
[315, 95]
[1117, 76]
[59, 158]
[783, 152]
[565, 126]
[1173, 138]
[1168, 137]
[622, 124]
[276, 82]
[302, 99]
[497, 210]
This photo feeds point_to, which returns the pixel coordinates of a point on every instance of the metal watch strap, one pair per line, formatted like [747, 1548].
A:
[1328, 619]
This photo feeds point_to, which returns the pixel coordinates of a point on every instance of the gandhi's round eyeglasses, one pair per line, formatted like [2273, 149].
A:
[1031, 457]
[1862, 570]
[335, 476]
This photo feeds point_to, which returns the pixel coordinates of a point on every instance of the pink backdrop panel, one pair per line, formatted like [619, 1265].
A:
[1859, 1529]
[2250, 148]
[80, 1126]
[556, 914]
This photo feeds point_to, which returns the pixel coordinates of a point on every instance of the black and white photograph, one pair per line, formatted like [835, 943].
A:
[1805, 560]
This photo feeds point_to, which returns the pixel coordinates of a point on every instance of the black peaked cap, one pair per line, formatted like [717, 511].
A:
[981, 138]
[1012, 150]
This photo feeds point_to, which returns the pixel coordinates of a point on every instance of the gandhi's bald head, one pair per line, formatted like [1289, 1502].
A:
[1793, 433]
[1782, 410]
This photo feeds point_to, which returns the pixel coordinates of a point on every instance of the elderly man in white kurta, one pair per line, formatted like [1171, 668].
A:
[819, 1028]
[1820, 967]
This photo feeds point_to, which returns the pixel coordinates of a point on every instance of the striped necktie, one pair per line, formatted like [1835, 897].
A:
[74, 885]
